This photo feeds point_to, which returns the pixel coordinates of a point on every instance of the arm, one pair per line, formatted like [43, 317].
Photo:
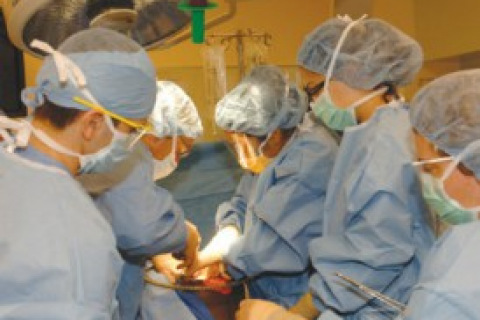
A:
[277, 240]
[287, 211]
[230, 220]
[144, 217]
[374, 249]
[233, 211]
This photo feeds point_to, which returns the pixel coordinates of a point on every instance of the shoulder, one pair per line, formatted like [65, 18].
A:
[32, 188]
[309, 157]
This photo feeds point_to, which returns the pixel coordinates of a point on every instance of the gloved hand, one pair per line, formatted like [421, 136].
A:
[254, 309]
[217, 270]
[190, 253]
[167, 265]
[305, 307]
[215, 250]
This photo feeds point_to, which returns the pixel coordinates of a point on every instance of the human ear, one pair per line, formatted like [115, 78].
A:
[91, 124]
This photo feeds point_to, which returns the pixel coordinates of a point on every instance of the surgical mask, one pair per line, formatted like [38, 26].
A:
[433, 190]
[446, 208]
[337, 118]
[98, 162]
[248, 157]
[163, 168]
[109, 156]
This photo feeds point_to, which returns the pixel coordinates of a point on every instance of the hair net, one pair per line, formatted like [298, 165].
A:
[374, 52]
[118, 72]
[174, 112]
[447, 113]
[261, 103]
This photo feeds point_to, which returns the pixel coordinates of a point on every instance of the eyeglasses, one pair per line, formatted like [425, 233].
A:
[311, 91]
[431, 161]
[139, 127]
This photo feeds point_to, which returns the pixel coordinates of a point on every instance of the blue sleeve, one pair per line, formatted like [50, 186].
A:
[145, 218]
[448, 287]
[373, 249]
[232, 212]
[287, 212]
[427, 303]
[375, 227]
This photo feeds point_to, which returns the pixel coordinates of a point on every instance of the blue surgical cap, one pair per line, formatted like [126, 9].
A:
[175, 113]
[263, 102]
[447, 113]
[119, 74]
[374, 52]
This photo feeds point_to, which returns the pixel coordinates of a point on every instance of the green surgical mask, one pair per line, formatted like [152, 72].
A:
[337, 118]
[446, 208]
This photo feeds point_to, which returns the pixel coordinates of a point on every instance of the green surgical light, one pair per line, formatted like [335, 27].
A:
[197, 9]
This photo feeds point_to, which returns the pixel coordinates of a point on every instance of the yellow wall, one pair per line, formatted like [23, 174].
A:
[401, 14]
[447, 28]
[286, 20]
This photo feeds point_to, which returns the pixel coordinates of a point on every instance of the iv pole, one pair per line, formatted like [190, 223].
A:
[239, 38]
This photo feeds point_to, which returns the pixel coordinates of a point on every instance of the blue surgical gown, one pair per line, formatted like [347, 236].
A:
[278, 212]
[146, 221]
[58, 258]
[449, 287]
[375, 226]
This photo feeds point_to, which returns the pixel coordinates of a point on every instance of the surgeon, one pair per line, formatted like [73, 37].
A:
[145, 218]
[446, 118]
[375, 228]
[59, 257]
[264, 230]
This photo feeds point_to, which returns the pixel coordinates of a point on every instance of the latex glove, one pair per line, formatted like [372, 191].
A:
[215, 250]
[254, 309]
[167, 265]
[218, 270]
[190, 253]
[306, 307]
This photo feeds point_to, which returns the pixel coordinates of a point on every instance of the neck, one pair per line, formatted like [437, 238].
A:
[365, 111]
[277, 141]
[60, 136]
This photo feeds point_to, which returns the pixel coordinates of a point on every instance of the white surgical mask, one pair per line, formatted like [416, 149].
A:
[106, 158]
[165, 167]
[97, 162]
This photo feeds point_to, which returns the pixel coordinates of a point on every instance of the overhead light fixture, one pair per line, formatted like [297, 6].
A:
[148, 22]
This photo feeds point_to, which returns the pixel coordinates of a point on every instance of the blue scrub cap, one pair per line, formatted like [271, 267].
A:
[447, 113]
[174, 112]
[118, 72]
[374, 52]
[262, 102]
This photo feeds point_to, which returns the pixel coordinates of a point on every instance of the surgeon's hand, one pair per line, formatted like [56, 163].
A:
[205, 259]
[217, 270]
[254, 309]
[167, 265]
[190, 253]
[215, 250]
